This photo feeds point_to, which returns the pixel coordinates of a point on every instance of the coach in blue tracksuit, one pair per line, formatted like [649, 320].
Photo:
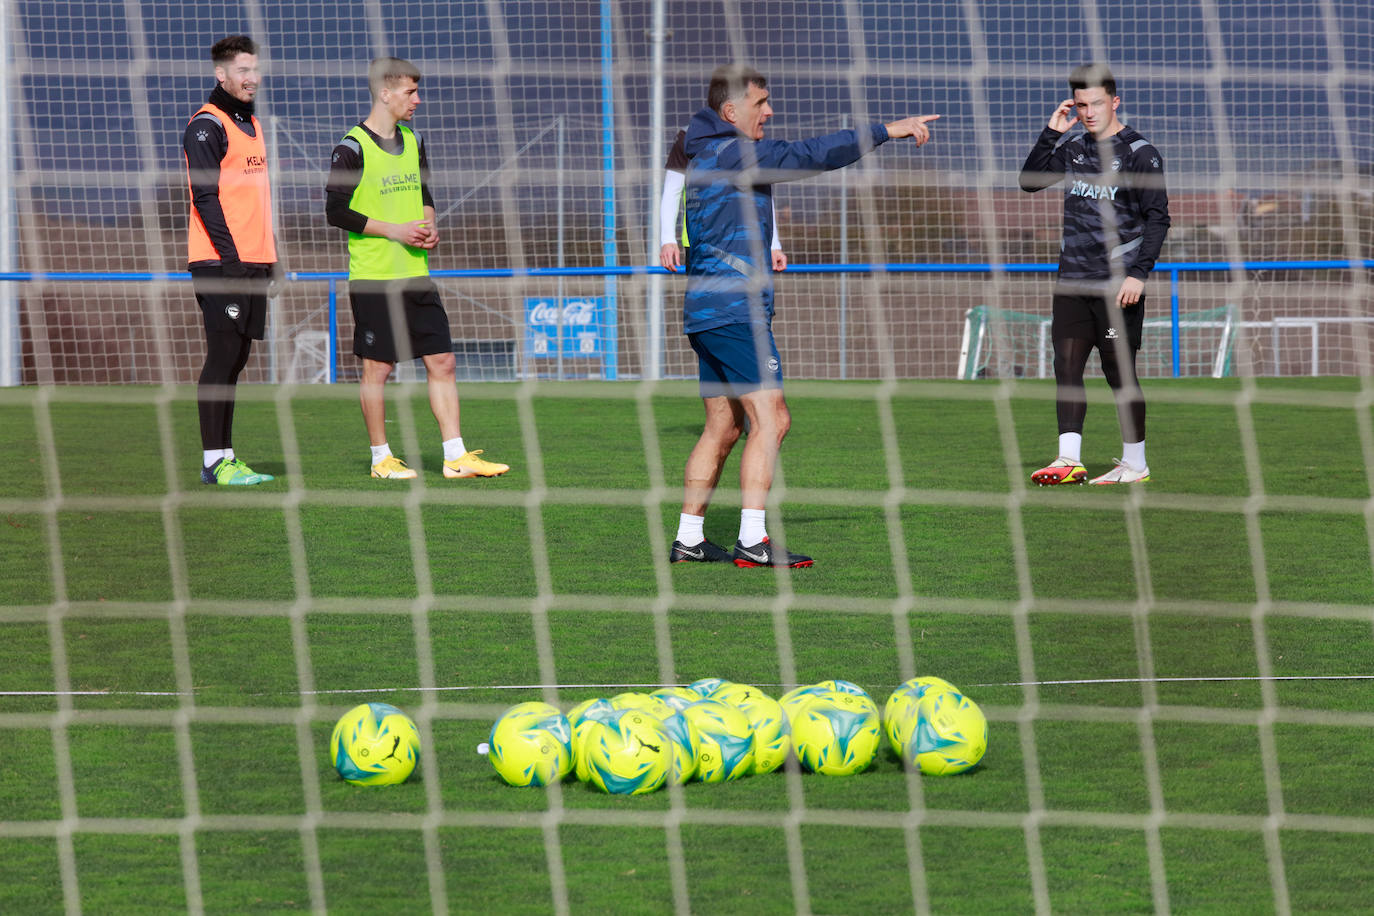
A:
[728, 310]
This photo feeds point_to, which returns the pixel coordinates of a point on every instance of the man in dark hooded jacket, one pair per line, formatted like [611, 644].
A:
[728, 308]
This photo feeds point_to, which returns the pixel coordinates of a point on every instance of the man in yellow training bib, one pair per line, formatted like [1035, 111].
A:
[379, 193]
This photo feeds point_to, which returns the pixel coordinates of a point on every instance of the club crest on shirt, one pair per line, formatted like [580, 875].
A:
[232, 310]
[1116, 165]
[202, 135]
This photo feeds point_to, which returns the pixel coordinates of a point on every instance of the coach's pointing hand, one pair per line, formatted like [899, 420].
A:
[911, 127]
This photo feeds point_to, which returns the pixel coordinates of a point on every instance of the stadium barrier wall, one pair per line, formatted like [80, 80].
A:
[1293, 343]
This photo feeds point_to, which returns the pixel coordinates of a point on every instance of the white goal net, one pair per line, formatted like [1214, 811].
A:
[1176, 677]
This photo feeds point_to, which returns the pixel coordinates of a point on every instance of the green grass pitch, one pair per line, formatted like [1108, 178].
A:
[122, 574]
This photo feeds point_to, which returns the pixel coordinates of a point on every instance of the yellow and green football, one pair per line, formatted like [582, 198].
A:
[836, 734]
[654, 706]
[374, 744]
[772, 736]
[950, 734]
[628, 753]
[580, 718]
[727, 741]
[531, 745]
[707, 685]
[686, 748]
[899, 712]
[677, 697]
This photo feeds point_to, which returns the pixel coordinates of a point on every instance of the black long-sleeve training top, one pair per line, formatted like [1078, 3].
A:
[1129, 233]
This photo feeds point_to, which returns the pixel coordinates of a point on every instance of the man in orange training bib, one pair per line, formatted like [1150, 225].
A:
[231, 251]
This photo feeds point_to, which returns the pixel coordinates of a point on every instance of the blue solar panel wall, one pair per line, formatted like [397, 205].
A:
[104, 88]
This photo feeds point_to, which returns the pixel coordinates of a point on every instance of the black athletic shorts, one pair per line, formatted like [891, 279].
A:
[385, 311]
[1088, 318]
[233, 303]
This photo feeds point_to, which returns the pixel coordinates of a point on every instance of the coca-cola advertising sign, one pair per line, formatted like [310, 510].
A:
[576, 322]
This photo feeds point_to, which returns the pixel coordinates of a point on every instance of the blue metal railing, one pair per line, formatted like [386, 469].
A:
[1173, 269]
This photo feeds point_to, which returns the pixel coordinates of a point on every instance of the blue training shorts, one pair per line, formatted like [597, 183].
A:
[736, 359]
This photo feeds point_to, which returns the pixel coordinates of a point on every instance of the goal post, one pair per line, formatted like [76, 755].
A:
[1001, 343]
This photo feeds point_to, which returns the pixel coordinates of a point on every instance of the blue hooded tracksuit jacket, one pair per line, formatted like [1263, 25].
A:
[730, 213]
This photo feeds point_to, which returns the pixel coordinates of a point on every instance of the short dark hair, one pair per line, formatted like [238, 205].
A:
[730, 81]
[1092, 76]
[226, 49]
[386, 71]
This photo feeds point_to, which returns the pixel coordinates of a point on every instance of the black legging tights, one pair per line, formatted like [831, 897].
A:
[1071, 404]
[226, 353]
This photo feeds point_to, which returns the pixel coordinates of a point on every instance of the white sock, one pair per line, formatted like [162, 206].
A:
[453, 449]
[229, 453]
[689, 529]
[212, 456]
[751, 529]
[1071, 446]
[381, 452]
[1133, 453]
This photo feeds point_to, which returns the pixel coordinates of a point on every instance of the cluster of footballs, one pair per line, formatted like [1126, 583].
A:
[710, 731]
[716, 730]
